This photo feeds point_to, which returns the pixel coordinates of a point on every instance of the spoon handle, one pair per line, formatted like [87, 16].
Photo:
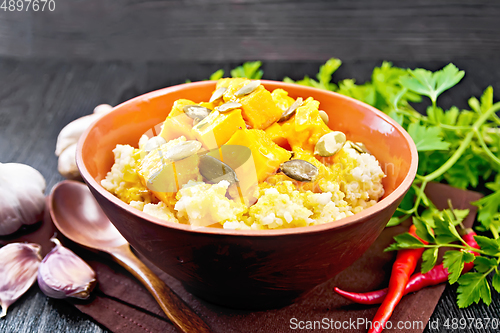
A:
[181, 315]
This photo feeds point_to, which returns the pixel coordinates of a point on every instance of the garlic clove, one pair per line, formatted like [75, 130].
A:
[72, 131]
[63, 274]
[68, 138]
[103, 108]
[22, 198]
[18, 271]
[66, 164]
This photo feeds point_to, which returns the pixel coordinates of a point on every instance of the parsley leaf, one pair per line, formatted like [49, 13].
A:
[325, 73]
[488, 208]
[429, 258]
[394, 221]
[444, 231]
[365, 93]
[473, 287]
[454, 262]
[486, 101]
[324, 76]
[427, 138]
[424, 231]
[431, 84]
[484, 264]
[404, 241]
[217, 75]
[249, 69]
[495, 282]
[489, 246]
[396, 116]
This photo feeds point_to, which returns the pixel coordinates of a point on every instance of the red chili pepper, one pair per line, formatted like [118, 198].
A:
[438, 274]
[403, 267]
[468, 237]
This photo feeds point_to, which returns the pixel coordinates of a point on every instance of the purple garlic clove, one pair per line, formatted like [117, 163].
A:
[63, 274]
[18, 269]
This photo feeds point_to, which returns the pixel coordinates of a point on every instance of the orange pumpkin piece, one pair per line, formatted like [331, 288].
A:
[281, 99]
[177, 122]
[164, 178]
[276, 133]
[258, 108]
[217, 128]
[306, 127]
[267, 155]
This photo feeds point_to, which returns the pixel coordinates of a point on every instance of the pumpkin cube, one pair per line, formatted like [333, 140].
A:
[276, 133]
[177, 123]
[281, 99]
[164, 178]
[217, 128]
[267, 155]
[258, 108]
[305, 127]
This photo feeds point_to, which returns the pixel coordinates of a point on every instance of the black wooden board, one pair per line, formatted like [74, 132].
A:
[228, 30]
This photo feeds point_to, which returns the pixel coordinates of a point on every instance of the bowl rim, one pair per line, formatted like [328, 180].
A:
[356, 218]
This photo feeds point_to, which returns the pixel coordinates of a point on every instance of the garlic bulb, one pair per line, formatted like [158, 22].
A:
[63, 274]
[18, 269]
[21, 196]
[68, 137]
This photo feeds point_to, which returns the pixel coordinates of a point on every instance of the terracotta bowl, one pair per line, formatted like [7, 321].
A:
[250, 269]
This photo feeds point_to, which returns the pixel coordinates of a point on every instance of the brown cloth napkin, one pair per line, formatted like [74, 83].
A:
[122, 305]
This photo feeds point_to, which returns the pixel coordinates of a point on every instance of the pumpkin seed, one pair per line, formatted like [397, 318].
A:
[196, 111]
[214, 170]
[324, 116]
[359, 147]
[153, 143]
[205, 121]
[291, 110]
[218, 94]
[300, 170]
[182, 150]
[228, 106]
[329, 144]
[247, 88]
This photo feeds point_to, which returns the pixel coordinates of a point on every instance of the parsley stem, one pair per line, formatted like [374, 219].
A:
[494, 231]
[401, 218]
[453, 127]
[420, 193]
[486, 148]
[418, 177]
[450, 127]
[496, 119]
[458, 246]
[463, 146]
[413, 114]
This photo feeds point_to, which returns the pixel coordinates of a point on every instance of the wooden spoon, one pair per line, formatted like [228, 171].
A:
[78, 216]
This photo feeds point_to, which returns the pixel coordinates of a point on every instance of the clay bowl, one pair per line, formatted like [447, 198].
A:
[249, 269]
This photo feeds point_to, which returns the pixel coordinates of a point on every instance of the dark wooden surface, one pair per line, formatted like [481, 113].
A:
[223, 30]
[38, 97]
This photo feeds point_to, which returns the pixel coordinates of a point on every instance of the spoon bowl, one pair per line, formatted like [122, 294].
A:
[77, 215]
[89, 227]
